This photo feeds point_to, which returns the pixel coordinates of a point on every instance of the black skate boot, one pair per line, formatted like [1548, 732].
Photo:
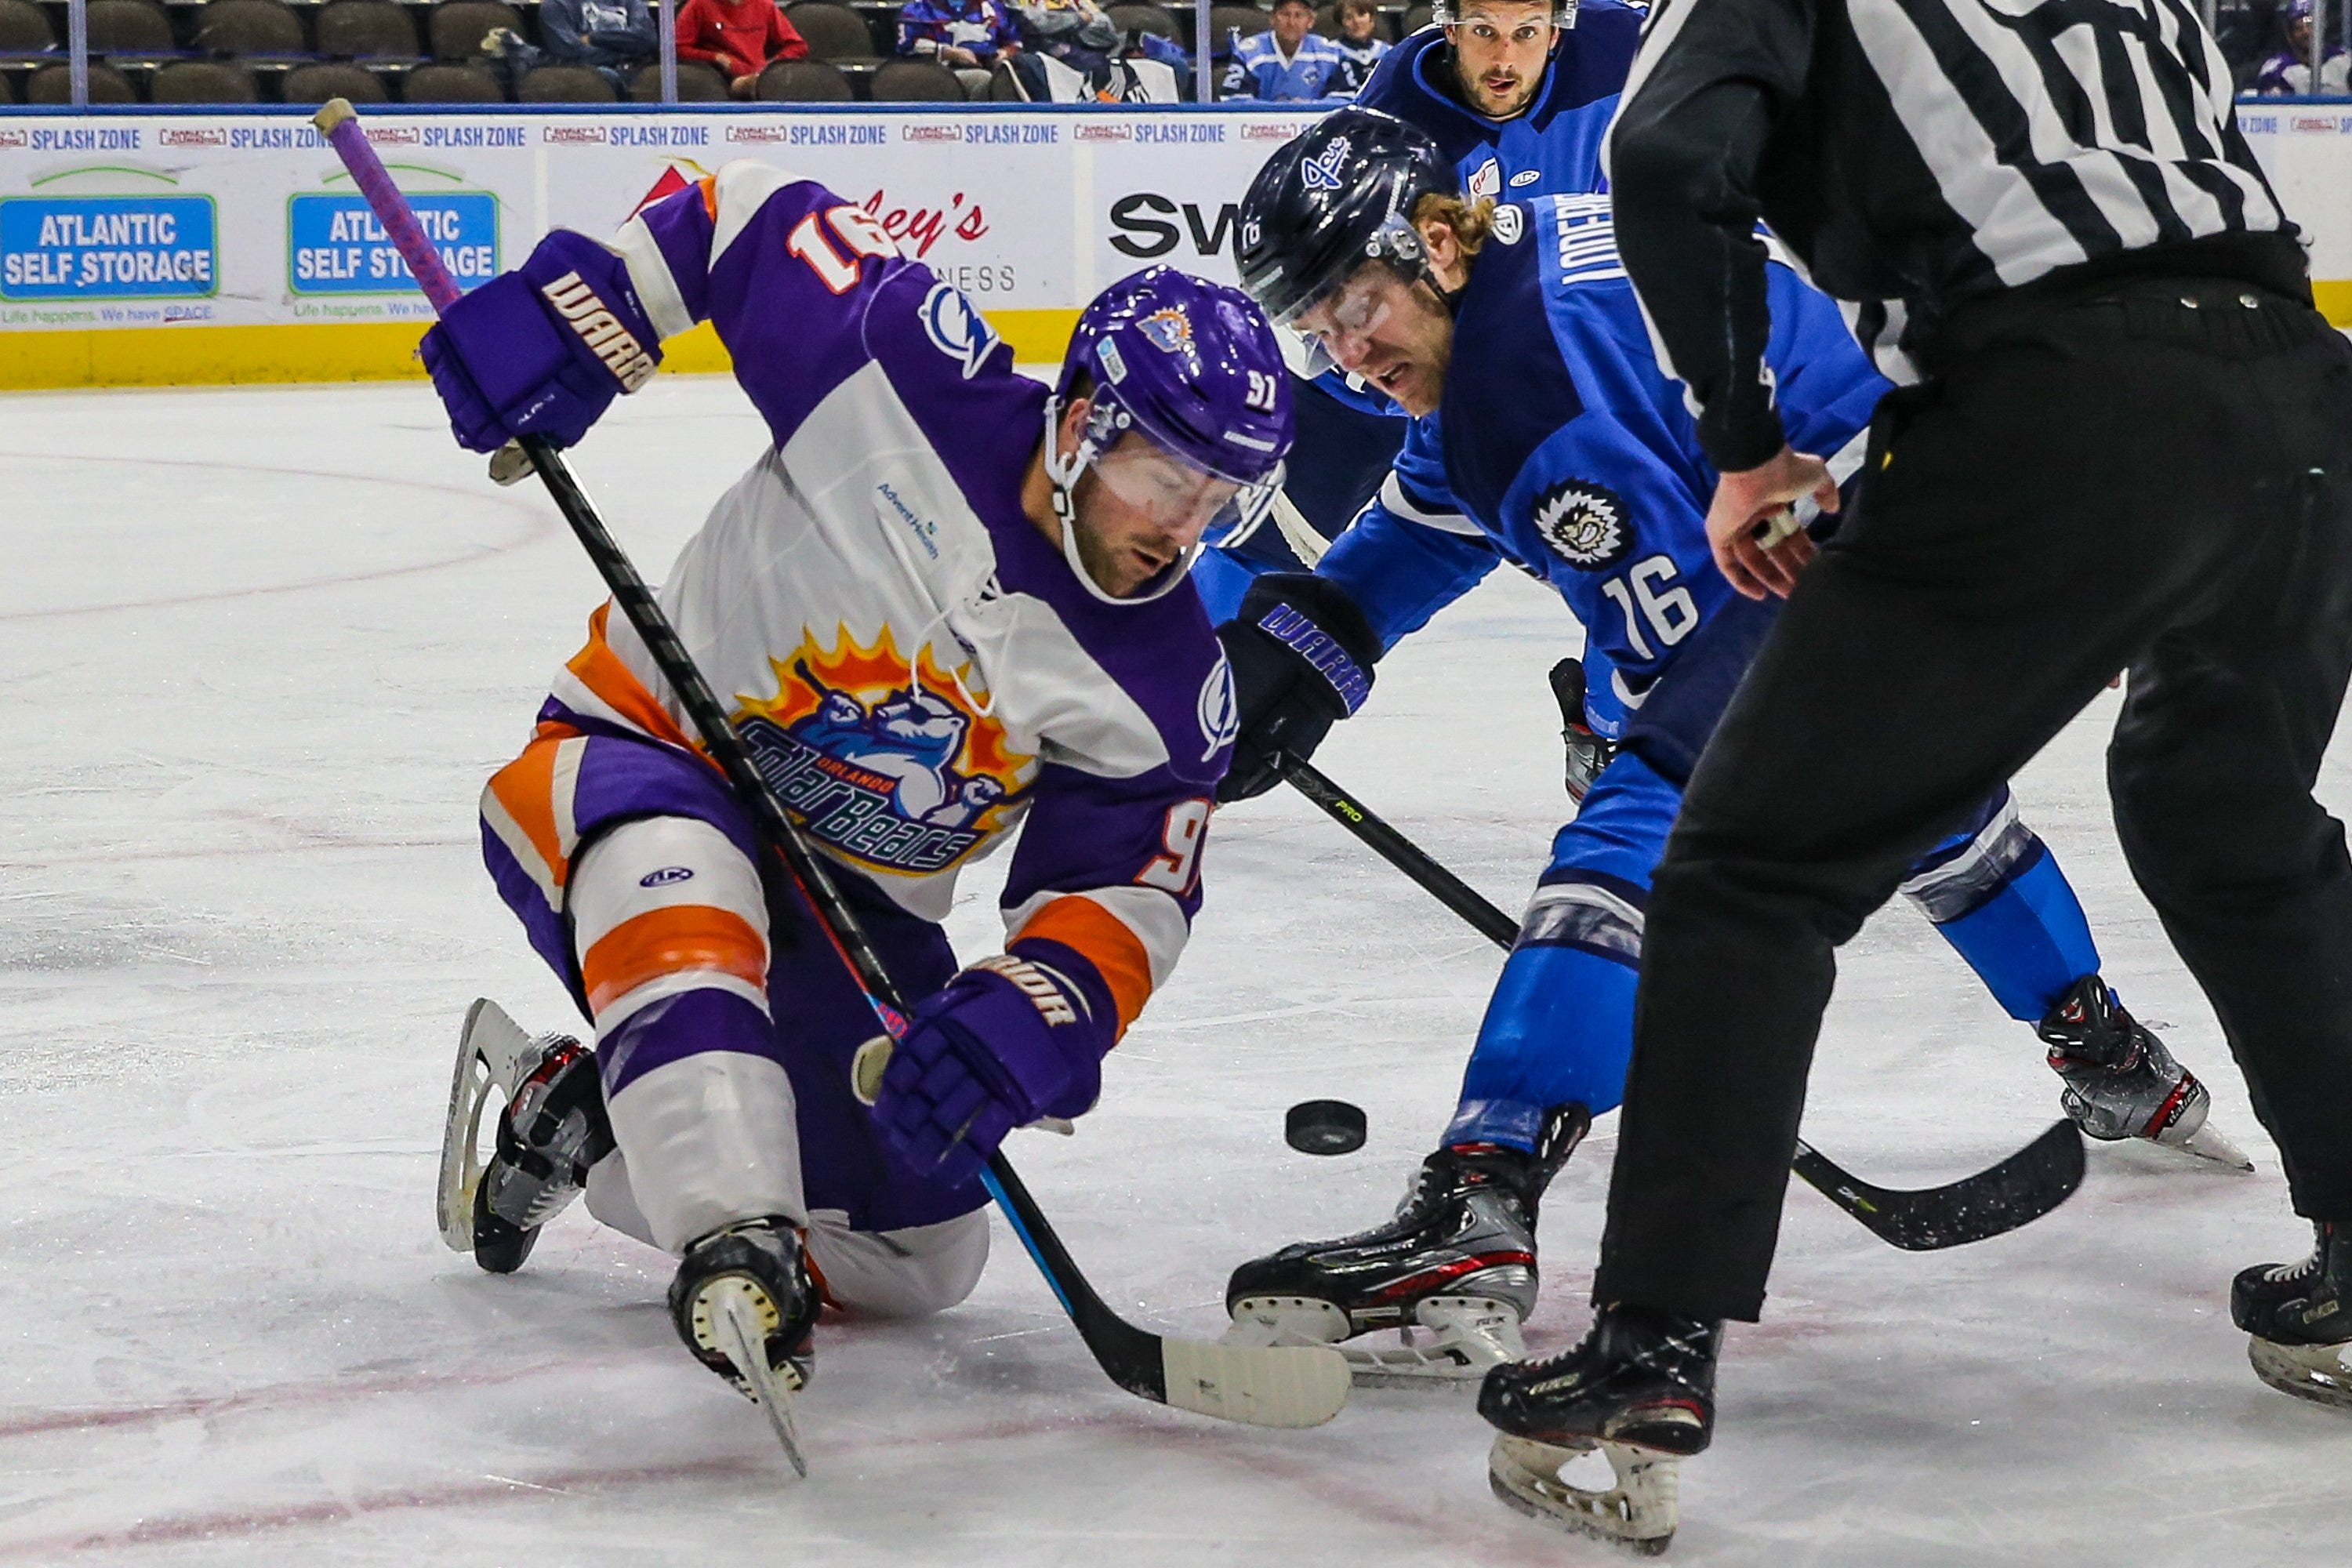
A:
[2122, 1083]
[1458, 1259]
[2300, 1315]
[551, 1132]
[1639, 1388]
[744, 1303]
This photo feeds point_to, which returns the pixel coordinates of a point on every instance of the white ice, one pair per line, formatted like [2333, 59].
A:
[261, 648]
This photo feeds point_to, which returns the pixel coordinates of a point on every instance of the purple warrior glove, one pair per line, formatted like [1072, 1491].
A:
[540, 351]
[1003, 1043]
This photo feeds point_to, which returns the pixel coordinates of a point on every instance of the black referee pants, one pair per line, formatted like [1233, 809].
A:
[2157, 478]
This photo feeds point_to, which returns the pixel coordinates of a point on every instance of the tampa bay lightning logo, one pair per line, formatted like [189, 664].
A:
[1584, 525]
[957, 330]
[1220, 714]
[1322, 172]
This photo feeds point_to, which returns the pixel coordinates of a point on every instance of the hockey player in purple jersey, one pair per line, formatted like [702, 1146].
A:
[947, 598]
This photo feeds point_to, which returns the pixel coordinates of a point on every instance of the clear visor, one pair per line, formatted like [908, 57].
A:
[1175, 500]
[1334, 327]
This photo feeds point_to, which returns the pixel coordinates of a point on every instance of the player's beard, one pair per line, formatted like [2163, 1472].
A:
[1113, 566]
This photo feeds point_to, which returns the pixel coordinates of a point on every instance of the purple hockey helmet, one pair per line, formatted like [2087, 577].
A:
[1191, 366]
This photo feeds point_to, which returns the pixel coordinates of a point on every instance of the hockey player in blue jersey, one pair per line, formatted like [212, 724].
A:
[1287, 64]
[1517, 94]
[1546, 435]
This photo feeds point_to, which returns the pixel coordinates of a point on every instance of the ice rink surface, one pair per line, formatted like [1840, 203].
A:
[262, 647]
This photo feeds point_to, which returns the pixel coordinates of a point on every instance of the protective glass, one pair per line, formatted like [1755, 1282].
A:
[1339, 324]
[1173, 497]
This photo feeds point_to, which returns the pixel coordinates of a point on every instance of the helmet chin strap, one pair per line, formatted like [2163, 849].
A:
[1064, 476]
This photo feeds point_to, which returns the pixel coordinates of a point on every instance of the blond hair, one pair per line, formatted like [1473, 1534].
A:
[1473, 221]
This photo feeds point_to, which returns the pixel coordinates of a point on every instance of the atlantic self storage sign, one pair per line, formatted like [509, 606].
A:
[334, 244]
[107, 247]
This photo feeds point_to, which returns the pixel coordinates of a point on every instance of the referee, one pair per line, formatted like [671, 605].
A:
[2121, 439]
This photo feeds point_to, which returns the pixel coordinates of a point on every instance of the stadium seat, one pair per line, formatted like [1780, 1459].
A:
[1149, 19]
[1226, 20]
[916, 81]
[316, 83]
[804, 82]
[1418, 17]
[1002, 87]
[439, 83]
[203, 81]
[835, 33]
[565, 84]
[130, 27]
[698, 82]
[25, 28]
[458, 27]
[7, 91]
[367, 30]
[54, 85]
[254, 28]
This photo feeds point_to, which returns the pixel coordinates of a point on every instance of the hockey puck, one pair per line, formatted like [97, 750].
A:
[1324, 1127]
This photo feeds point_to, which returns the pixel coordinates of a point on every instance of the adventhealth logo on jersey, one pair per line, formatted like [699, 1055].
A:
[1584, 523]
[957, 330]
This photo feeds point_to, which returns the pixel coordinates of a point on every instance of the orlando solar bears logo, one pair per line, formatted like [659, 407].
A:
[1585, 524]
[1169, 330]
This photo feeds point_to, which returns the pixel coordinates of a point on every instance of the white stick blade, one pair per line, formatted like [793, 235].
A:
[1639, 1512]
[1280, 1386]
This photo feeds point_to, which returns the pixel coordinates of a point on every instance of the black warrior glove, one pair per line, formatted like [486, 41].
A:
[1302, 655]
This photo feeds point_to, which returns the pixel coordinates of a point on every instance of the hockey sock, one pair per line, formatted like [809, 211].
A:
[2028, 942]
[1559, 1030]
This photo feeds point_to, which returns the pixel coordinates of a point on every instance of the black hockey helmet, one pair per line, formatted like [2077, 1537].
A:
[1339, 194]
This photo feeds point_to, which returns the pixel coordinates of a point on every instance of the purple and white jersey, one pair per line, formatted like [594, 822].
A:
[915, 666]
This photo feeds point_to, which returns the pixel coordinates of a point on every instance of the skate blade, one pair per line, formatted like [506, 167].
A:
[741, 1330]
[491, 1049]
[1639, 1514]
[2321, 1373]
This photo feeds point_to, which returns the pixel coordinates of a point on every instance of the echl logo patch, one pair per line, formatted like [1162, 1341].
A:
[1321, 173]
[1169, 331]
[1584, 523]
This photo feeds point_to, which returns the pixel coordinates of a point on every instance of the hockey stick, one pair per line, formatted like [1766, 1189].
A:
[2017, 1191]
[1264, 1386]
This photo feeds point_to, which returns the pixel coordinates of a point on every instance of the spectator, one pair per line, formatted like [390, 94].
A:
[1286, 65]
[1071, 52]
[613, 36]
[2288, 72]
[1360, 45]
[968, 36]
[741, 38]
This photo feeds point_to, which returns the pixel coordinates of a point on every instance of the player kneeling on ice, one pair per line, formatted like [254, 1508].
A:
[948, 598]
[1552, 441]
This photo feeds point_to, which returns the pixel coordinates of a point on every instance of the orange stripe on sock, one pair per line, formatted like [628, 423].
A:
[1088, 927]
[526, 788]
[666, 941]
[599, 669]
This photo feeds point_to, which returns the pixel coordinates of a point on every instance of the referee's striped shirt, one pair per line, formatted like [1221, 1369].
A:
[1912, 153]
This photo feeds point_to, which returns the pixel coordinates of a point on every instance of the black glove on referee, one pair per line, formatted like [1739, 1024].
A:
[1302, 655]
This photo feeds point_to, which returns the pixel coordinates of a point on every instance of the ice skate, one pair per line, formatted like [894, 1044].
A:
[744, 1304]
[551, 1129]
[2122, 1083]
[1454, 1269]
[1640, 1389]
[2300, 1318]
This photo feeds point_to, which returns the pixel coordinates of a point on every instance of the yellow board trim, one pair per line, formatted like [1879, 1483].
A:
[347, 351]
[2334, 298]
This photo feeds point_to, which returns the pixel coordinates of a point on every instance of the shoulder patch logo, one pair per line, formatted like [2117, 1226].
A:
[1220, 714]
[957, 330]
[1510, 224]
[1584, 525]
[1487, 181]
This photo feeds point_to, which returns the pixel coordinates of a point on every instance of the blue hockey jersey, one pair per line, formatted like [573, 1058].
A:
[1258, 69]
[1570, 453]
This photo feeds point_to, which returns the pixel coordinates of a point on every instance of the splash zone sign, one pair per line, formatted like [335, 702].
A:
[334, 244]
[107, 247]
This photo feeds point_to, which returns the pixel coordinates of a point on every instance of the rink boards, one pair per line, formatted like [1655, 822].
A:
[174, 248]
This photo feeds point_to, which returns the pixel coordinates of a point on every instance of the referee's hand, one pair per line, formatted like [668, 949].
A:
[1747, 506]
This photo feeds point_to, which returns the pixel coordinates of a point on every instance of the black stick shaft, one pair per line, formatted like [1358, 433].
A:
[1403, 854]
